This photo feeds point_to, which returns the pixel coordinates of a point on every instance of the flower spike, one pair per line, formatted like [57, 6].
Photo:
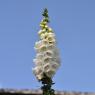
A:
[47, 59]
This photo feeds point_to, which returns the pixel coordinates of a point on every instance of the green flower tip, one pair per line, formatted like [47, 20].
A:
[45, 14]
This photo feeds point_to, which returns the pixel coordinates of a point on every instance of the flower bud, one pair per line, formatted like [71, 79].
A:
[42, 26]
[50, 30]
[50, 73]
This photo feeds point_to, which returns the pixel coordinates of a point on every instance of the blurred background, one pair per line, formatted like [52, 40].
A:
[73, 22]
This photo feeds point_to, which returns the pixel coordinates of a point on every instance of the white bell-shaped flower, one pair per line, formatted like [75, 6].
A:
[55, 65]
[43, 48]
[46, 67]
[50, 73]
[38, 71]
[47, 59]
[49, 53]
[50, 68]
[39, 56]
[38, 62]
[40, 76]
[38, 44]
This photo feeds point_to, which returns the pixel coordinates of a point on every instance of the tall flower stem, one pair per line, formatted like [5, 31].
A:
[47, 84]
[46, 81]
[47, 59]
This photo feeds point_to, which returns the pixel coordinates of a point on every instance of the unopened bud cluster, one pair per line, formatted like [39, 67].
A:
[47, 58]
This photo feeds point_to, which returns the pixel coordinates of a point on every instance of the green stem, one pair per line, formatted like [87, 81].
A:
[47, 84]
[46, 81]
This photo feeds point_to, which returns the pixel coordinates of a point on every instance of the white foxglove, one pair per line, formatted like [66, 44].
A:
[47, 59]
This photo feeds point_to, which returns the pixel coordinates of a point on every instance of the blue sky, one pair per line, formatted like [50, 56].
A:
[74, 24]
